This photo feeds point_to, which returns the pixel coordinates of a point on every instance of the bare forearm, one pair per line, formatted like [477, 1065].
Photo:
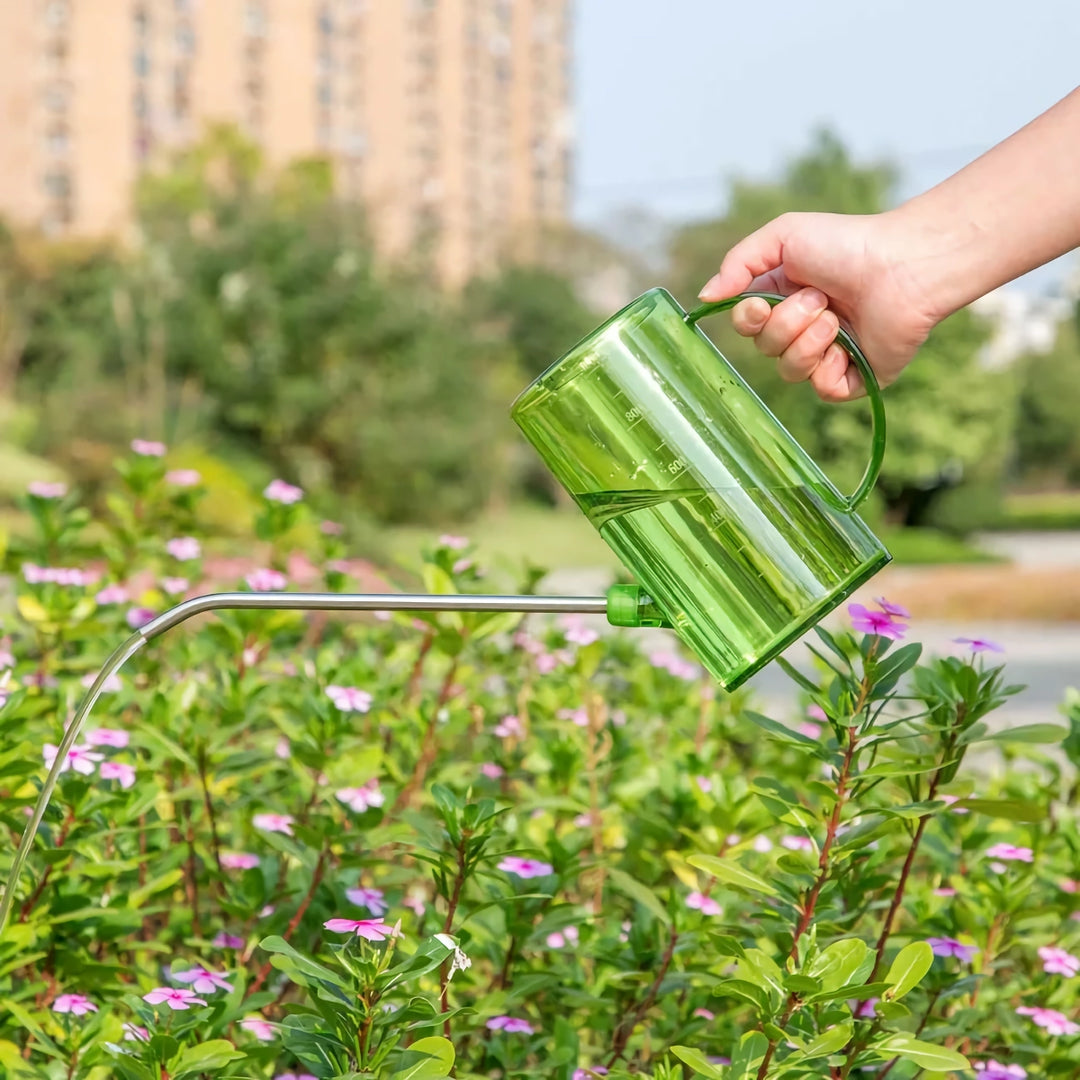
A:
[1009, 211]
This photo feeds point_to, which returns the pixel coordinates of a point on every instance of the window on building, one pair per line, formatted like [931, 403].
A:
[58, 184]
[57, 140]
[324, 94]
[56, 96]
[142, 22]
[57, 13]
[56, 53]
[181, 94]
[141, 104]
[185, 39]
[326, 21]
[255, 18]
[142, 64]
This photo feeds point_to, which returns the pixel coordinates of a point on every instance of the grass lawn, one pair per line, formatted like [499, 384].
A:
[1051, 510]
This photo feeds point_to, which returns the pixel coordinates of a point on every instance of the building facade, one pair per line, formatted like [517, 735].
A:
[448, 119]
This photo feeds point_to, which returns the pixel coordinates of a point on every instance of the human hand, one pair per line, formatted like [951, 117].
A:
[855, 267]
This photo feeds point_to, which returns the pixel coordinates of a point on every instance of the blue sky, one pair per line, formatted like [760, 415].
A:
[673, 97]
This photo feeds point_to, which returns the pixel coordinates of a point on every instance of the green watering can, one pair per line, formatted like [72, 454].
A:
[736, 535]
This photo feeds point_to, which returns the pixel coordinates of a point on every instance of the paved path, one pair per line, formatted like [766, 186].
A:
[1039, 551]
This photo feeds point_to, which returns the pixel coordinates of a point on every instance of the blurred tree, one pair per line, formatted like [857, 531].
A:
[949, 421]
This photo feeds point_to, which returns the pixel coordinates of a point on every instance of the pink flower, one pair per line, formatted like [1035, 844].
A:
[135, 1033]
[1011, 852]
[705, 904]
[331, 528]
[816, 712]
[509, 727]
[525, 868]
[56, 575]
[880, 623]
[112, 594]
[184, 548]
[177, 1000]
[238, 860]
[995, 1070]
[368, 929]
[762, 844]
[577, 633]
[491, 770]
[797, 843]
[461, 565]
[705, 1014]
[586, 1074]
[174, 586]
[558, 939]
[363, 798]
[280, 823]
[295, 1076]
[947, 946]
[897, 611]
[76, 1004]
[262, 1029]
[1067, 885]
[415, 903]
[145, 448]
[978, 645]
[283, 749]
[1059, 962]
[80, 758]
[1054, 1022]
[227, 941]
[674, 665]
[454, 543]
[512, 1025]
[104, 736]
[945, 890]
[266, 580]
[42, 489]
[139, 616]
[203, 981]
[349, 698]
[266, 911]
[704, 783]
[863, 1010]
[578, 717]
[111, 684]
[948, 800]
[280, 492]
[372, 899]
[118, 770]
[547, 662]
[183, 478]
[809, 729]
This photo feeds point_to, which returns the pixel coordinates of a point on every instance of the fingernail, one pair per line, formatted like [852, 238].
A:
[708, 291]
[813, 301]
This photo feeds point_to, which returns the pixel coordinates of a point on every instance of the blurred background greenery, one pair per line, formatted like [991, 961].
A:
[252, 330]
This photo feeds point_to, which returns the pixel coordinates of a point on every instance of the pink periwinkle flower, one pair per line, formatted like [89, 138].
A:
[995, 1070]
[135, 1033]
[559, 939]
[222, 940]
[512, 1025]
[978, 645]
[203, 981]
[283, 749]
[368, 929]
[372, 899]
[704, 1014]
[705, 904]
[762, 844]
[43, 489]
[897, 611]
[331, 528]
[577, 633]
[349, 698]
[104, 736]
[76, 1004]
[266, 580]
[178, 1000]
[1011, 853]
[461, 565]
[363, 798]
[547, 662]
[80, 758]
[1059, 962]
[583, 821]
[880, 623]
[281, 492]
[1066, 885]
[578, 717]
[454, 543]
[704, 783]
[118, 770]
[586, 1074]
[863, 1010]
[947, 946]
[139, 616]
[797, 843]
[184, 548]
[295, 1076]
[674, 665]
[112, 594]
[1051, 1020]
[41, 680]
[809, 729]
[266, 911]
[945, 890]
[146, 448]
[816, 712]
[238, 860]
[279, 823]
[175, 586]
[262, 1029]
[111, 684]
[491, 770]
[509, 727]
[525, 868]
[183, 478]
[949, 800]
[57, 575]
[415, 903]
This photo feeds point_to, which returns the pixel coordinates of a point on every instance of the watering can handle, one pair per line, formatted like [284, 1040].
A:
[873, 391]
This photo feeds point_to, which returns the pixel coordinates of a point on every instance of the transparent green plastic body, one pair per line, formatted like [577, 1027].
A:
[738, 537]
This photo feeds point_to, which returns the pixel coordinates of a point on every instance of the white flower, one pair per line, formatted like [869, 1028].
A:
[459, 961]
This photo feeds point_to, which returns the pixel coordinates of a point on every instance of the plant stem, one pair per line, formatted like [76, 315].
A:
[191, 883]
[626, 1028]
[33, 898]
[215, 842]
[448, 925]
[429, 746]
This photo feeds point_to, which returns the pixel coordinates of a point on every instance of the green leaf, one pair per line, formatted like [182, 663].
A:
[757, 992]
[628, 886]
[205, 1057]
[911, 964]
[747, 1055]
[925, 1055]
[786, 734]
[1027, 733]
[426, 1059]
[731, 873]
[138, 897]
[830, 1041]
[836, 965]
[697, 1061]
[1011, 809]
[795, 675]
[293, 963]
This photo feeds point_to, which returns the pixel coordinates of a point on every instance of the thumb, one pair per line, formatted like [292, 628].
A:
[751, 257]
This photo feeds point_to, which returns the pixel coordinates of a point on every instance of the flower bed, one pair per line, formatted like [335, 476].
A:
[411, 846]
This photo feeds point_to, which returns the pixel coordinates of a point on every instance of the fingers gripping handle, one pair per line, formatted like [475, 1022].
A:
[873, 391]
